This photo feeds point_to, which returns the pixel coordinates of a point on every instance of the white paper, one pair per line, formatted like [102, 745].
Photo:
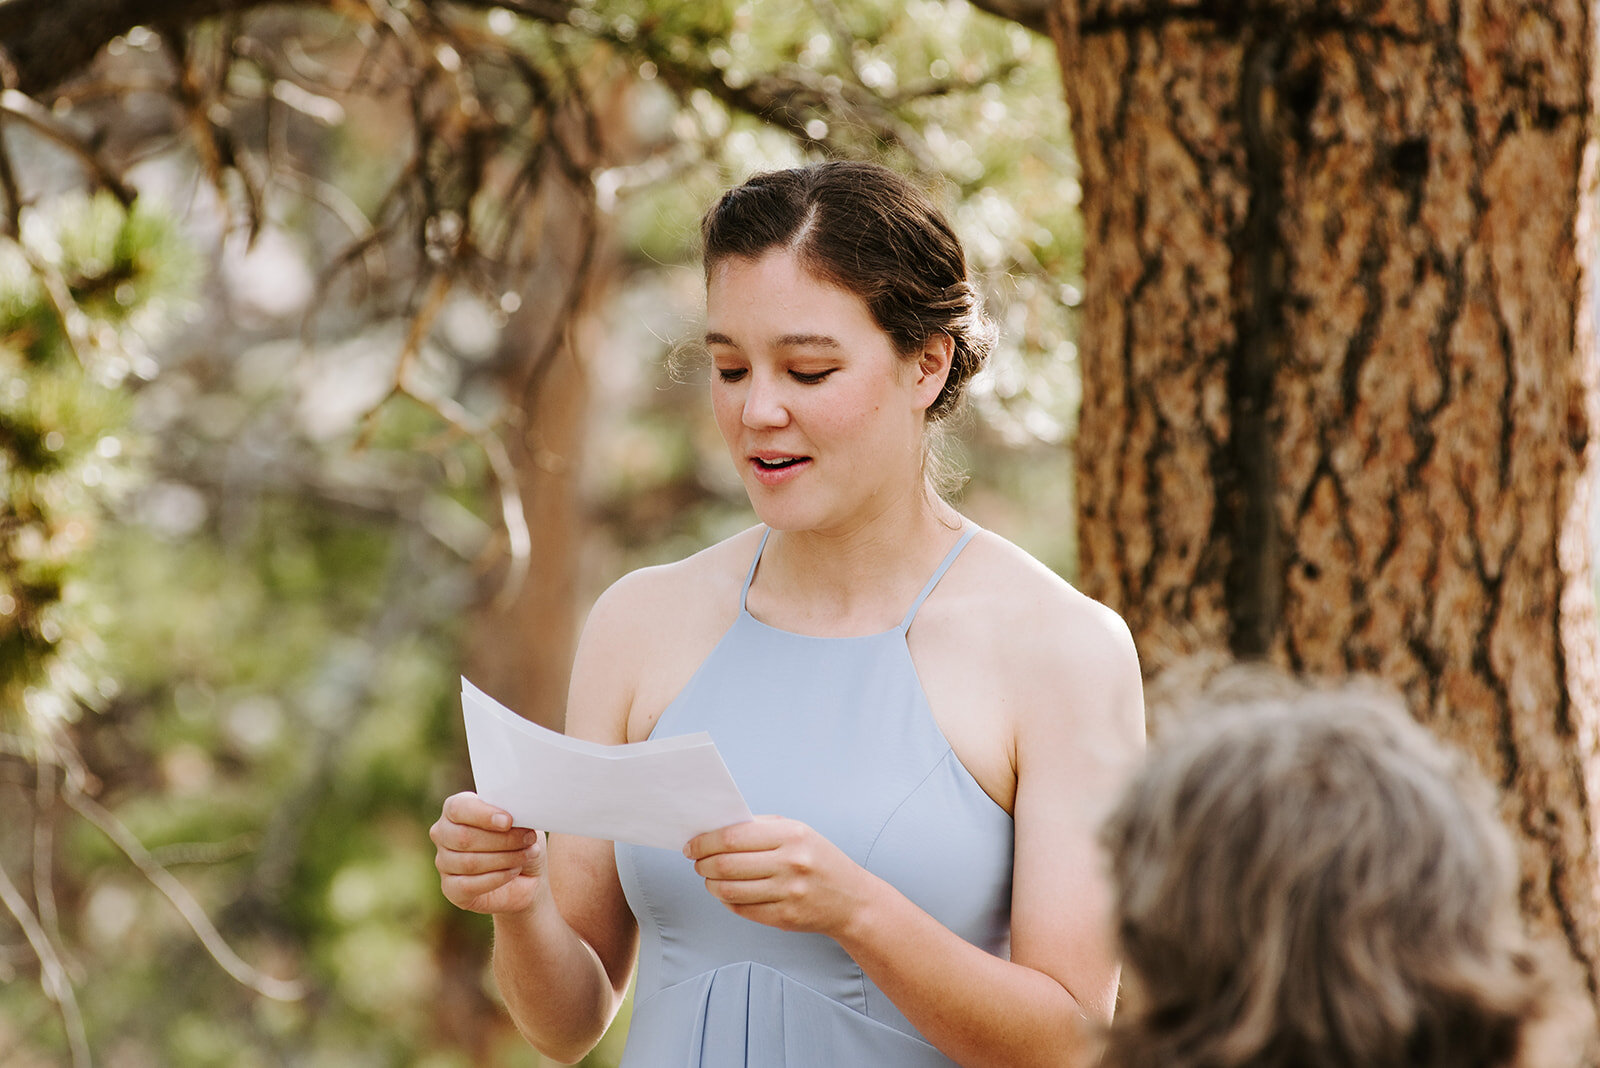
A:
[660, 792]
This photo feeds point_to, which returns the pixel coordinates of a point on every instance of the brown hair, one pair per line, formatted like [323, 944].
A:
[1316, 883]
[865, 228]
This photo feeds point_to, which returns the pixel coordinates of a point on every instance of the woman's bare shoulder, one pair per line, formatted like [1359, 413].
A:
[1013, 590]
[647, 633]
[1037, 627]
[709, 581]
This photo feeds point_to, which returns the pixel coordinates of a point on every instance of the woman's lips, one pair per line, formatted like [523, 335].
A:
[774, 469]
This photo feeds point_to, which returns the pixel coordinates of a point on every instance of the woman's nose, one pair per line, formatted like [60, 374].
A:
[764, 404]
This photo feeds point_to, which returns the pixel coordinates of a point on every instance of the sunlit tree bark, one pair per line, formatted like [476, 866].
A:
[523, 636]
[1338, 395]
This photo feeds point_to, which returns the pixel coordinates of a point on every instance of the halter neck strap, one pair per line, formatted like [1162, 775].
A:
[944, 565]
[744, 594]
[933, 580]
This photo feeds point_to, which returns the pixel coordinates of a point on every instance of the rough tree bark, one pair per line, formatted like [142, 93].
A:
[1338, 397]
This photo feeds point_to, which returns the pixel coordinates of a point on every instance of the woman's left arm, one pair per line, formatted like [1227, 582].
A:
[1079, 732]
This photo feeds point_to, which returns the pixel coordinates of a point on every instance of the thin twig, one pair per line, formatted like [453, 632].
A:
[44, 894]
[519, 541]
[28, 111]
[124, 84]
[392, 212]
[10, 187]
[56, 984]
[191, 911]
[518, 538]
[213, 143]
[844, 41]
[433, 299]
[74, 322]
[338, 204]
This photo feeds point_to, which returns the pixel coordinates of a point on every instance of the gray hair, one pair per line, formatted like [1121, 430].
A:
[1316, 881]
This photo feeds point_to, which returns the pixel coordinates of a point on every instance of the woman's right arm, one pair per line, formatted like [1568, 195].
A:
[565, 939]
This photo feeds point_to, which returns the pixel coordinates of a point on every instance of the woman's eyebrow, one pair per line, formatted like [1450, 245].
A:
[785, 341]
[808, 341]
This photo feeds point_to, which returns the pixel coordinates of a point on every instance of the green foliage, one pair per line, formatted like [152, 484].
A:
[294, 749]
[63, 420]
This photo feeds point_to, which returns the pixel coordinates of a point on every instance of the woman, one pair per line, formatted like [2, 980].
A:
[1309, 878]
[936, 719]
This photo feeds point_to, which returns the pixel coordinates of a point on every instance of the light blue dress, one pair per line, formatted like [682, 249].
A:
[836, 733]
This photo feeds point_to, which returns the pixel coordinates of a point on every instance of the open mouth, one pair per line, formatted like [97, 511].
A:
[778, 463]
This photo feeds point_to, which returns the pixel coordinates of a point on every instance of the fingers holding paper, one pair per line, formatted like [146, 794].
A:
[781, 873]
[485, 864]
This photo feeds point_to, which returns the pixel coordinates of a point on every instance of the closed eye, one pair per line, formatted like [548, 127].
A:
[811, 378]
[731, 374]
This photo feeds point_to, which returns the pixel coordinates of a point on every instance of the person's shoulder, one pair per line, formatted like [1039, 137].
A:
[1038, 609]
[1047, 637]
[707, 581]
[645, 627]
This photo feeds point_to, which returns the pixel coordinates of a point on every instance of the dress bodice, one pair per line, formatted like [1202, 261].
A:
[836, 733]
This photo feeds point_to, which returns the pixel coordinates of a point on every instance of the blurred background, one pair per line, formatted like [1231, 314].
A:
[383, 374]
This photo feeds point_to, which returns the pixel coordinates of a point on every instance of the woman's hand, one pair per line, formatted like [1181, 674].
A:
[782, 873]
[485, 864]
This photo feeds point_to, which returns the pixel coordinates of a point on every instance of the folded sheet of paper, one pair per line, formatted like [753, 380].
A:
[660, 792]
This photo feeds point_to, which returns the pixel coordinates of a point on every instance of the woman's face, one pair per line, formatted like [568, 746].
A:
[823, 418]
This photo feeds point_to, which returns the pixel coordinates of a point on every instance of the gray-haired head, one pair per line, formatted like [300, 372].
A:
[1316, 882]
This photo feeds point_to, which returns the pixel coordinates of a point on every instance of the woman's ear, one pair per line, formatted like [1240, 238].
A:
[933, 368]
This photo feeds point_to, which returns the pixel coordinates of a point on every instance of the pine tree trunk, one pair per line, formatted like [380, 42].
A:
[1338, 364]
[520, 650]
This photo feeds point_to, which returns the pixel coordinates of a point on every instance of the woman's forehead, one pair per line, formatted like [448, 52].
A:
[777, 286]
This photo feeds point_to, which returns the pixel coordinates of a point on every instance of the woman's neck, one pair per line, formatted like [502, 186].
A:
[856, 576]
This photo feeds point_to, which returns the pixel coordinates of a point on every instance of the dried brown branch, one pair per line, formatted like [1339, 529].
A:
[359, 250]
[192, 98]
[428, 310]
[23, 109]
[457, 137]
[125, 84]
[50, 41]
